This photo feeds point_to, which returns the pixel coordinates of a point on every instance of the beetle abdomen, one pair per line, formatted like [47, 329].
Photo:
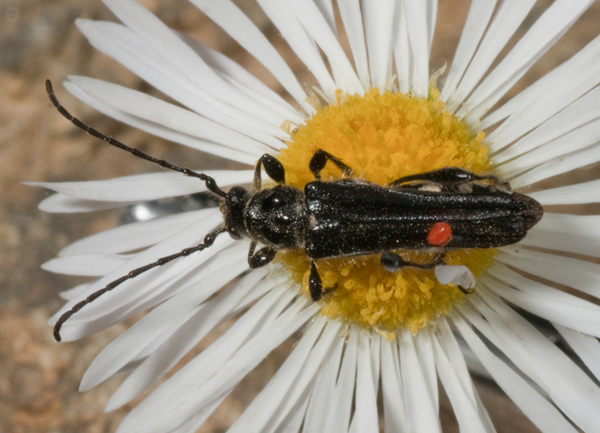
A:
[353, 218]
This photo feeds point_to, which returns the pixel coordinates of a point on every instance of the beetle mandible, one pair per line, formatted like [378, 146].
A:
[437, 211]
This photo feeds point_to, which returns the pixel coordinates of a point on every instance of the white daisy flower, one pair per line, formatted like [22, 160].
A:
[379, 334]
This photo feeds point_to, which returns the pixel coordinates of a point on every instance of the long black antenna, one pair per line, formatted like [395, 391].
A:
[210, 182]
[208, 241]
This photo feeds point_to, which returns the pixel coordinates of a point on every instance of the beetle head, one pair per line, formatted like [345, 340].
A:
[233, 211]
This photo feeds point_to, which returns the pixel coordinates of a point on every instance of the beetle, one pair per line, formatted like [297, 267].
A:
[437, 211]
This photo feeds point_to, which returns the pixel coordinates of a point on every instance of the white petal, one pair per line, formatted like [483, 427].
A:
[478, 19]
[89, 265]
[545, 301]
[459, 275]
[403, 55]
[240, 28]
[418, 35]
[166, 133]
[585, 346]
[176, 411]
[365, 415]
[378, 26]
[461, 397]
[145, 187]
[425, 354]
[156, 361]
[191, 68]
[239, 77]
[392, 388]
[579, 274]
[353, 24]
[322, 396]
[421, 408]
[254, 321]
[338, 420]
[60, 203]
[159, 112]
[326, 9]
[544, 33]
[522, 343]
[199, 418]
[274, 403]
[316, 26]
[461, 375]
[546, 97]
[559, 165]
[73, 292]
[576, 115]
[122, 44]
[508, 17]
[539, 410]
[150, 283]
[160, 323]
[135, 235]
[576, 140]
[294, 34]
[295, 418]
[570, 233]
[375, 350]
[587, 192]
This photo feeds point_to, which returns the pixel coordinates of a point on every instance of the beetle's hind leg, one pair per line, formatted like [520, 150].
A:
[320, 158]
[451, 179]
[391, 262]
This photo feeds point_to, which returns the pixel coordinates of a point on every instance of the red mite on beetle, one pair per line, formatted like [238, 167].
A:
[437, 211]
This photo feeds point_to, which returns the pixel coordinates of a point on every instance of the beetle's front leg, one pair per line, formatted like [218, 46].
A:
[262, 257]
[273, 168]
[320, 158]
[391, 262]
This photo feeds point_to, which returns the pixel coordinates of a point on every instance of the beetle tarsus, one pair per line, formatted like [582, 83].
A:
[466, 290]
[262, 257]
[273, 168]
[320, 158]
[315, 285]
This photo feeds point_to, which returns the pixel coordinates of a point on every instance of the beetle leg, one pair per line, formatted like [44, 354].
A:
[273, 168]
[391, 262]
[450, 178]
[261, 258]
[320, 158]
[315, 285]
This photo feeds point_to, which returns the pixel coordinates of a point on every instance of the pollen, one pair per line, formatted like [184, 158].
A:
[383, 137]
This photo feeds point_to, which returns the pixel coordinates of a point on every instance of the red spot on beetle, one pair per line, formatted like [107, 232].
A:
[439, 234]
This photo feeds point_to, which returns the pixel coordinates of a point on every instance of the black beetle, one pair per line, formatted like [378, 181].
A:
[436, 211]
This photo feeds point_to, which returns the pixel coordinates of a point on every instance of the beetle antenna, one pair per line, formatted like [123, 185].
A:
[211, 184]
[208, 241]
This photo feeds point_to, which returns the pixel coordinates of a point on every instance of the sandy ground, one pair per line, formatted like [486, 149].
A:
[38, 40]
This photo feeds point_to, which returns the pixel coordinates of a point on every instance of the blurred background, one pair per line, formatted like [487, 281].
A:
[38, 40]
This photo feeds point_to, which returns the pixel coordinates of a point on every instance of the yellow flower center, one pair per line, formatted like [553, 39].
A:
[383, 137]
